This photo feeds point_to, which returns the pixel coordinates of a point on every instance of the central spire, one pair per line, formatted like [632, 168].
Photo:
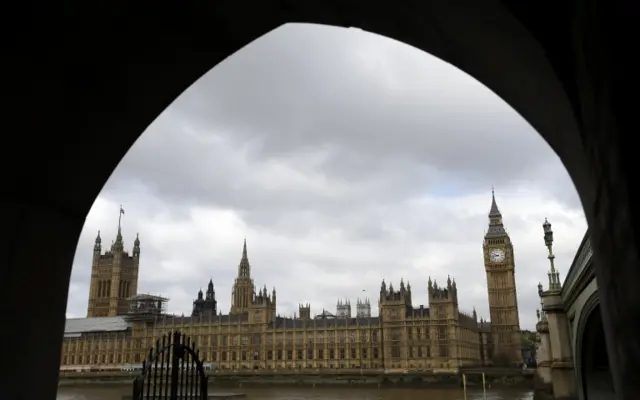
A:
[244, 268]
[244, 250]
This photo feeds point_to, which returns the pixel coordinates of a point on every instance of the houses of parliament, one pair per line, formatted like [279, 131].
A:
[121, 325]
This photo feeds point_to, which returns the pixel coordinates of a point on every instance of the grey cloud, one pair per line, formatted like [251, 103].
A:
[364, 112]
[306, 88]
[323, 141]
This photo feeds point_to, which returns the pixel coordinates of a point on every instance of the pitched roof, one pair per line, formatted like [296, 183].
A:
[74, 327]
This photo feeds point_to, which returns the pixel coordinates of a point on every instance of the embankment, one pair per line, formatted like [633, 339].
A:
[492, 378]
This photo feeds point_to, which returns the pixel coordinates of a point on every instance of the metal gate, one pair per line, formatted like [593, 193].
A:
[173, 370]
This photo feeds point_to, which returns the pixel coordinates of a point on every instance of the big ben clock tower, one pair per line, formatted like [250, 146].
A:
[499, 265]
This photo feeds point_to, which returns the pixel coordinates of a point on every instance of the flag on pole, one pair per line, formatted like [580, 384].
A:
[120, 220]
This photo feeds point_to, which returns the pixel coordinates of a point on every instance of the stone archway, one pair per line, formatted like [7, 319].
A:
[592, 358]
[83, 91]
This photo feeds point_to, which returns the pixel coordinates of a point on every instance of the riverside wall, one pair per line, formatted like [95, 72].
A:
[351, 378]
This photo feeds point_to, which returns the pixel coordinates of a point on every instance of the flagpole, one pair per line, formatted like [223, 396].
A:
[120, 217]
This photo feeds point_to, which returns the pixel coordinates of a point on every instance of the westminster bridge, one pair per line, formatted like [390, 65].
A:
[572, 353]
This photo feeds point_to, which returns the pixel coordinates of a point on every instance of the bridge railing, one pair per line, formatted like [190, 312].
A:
[580, 261]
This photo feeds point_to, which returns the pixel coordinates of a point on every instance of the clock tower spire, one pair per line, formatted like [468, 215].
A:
[503, 303]
[496, 228]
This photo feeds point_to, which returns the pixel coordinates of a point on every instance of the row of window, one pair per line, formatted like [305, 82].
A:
[420, 352]
[371, 365]
[80, 346]
[103, 289]
[279, 355]
[321, 354]
[320, 337]
[191, 328]
[100, 359]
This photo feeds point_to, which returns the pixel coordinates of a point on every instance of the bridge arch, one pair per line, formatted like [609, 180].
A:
[592, 359]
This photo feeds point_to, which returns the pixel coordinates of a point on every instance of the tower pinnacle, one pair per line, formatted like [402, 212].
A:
[98, 243]
[494, 211]
[496, 229]
[244, 268]
[244, 249]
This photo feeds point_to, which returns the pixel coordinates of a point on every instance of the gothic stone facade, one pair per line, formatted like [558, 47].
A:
[412, 338]
[114, 278]
[253, 336]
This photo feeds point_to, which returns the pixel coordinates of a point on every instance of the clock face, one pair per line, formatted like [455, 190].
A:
[496, 255]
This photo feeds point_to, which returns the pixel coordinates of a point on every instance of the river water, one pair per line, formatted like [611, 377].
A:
[307, 393]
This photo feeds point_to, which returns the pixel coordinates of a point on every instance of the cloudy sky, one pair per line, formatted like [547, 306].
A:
[344, 158]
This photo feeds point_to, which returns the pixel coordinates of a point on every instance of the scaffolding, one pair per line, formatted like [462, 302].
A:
[146, 306]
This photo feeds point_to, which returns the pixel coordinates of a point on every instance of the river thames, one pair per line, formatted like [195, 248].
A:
[308, 393]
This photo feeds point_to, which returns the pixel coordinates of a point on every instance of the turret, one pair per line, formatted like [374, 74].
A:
[343, 308]
[261, 297]
[448, 294]
[383, 290]
[304, 311]
[136, 246]
[403, 294]
[363, 308]
[453, 289]
[263, 306]
[97, 247]
[205, 305]
[395, 304]
[211, 293]
[198, 305]
[443, 301]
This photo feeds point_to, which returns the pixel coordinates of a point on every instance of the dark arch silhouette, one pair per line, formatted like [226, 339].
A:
[594, 364]
[86, 84]
[592, 359]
